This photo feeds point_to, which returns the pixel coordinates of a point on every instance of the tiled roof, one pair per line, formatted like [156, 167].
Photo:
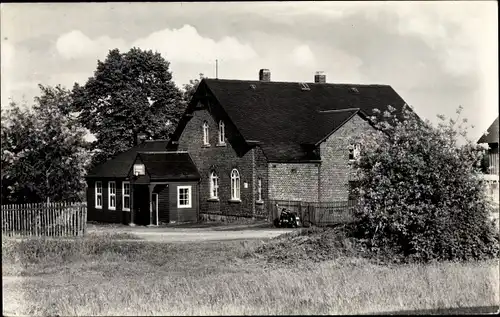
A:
[119, 166]
[283, 117]
[169, 166]
[492, 134]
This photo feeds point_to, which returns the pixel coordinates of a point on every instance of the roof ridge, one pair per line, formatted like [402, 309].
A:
[161, 152]
[157, 140]
[252, 81]
[339, 110]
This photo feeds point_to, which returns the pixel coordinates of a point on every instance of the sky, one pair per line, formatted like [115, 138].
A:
[437, 55]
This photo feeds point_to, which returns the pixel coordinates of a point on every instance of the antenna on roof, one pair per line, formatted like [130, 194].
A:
[216, 69]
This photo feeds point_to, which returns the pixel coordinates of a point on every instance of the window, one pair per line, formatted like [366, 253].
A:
[184, 196]
[235, 185]
[126, 196]
[222, 134]
[98, 195]
[111, 195]
[205, 134]
[139, 169]
[214, 185]
[354, 151]
[259, 189]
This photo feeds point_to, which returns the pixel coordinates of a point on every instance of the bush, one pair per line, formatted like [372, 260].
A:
[421, 193]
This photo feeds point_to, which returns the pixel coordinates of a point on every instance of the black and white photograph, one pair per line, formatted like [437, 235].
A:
[250, 158]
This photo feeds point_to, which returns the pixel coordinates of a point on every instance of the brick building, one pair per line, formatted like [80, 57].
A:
[492, 161]
[255, 141]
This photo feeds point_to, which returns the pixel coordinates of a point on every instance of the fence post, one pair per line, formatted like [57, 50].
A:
[35, 213]
[51, 219]
[84, 219]
[28, 221]
[43, 225]
[67, 217]
[71, 214]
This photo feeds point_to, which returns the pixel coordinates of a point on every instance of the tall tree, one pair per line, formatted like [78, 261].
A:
[130, 93]
[189, 89]
[43, 150]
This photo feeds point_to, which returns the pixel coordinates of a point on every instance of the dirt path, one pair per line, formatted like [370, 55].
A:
[193, 234]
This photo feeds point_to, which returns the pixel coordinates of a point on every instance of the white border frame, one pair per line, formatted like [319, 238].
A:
[190, 195]
[123, 195]
[95, 197]
[233, 187]
[222, 133]
[211, 185]
[109, 195]
[206, 133]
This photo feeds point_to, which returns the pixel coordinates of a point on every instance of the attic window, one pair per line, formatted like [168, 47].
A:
[354, 90]
[304, 86]
[252, 86]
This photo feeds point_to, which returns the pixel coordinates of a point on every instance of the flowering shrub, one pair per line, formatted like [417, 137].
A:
[421, 195]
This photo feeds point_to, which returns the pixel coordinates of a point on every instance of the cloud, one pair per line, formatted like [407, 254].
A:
[188, 46]
[75, 44]
[183, 45]
[8, 53]
[303, 56]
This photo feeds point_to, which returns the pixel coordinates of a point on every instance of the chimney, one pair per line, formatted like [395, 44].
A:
[141, 137]
[265, 75]
[320, 78]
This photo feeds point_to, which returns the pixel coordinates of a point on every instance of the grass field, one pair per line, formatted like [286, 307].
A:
[102, 276]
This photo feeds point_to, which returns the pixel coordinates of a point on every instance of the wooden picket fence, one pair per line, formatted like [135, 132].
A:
[45, 219]
[316, 213]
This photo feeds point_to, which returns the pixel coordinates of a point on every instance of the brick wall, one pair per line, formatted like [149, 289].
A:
[222, 159]
[261, 171]
[293, 181]
[335, 170]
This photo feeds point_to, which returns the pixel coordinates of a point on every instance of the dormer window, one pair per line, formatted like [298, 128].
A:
[222, 133]
[205, 134]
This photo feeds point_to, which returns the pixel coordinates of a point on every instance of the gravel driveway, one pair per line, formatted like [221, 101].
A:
[172, 234]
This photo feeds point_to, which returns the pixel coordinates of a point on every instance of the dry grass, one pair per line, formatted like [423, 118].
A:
[106, 277]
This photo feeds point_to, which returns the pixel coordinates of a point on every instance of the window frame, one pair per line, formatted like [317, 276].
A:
[235, 185]
[259, 189]
[98, 194]
[214, 186]
[222, 133]
[111, 194]
[206, 134]
[190, 196]
[126, 195]
[354, 151]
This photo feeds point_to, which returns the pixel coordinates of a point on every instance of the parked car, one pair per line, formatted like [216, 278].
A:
[287, 219]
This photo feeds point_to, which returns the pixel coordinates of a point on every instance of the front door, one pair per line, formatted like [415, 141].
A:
[155, 208]
[141, 205]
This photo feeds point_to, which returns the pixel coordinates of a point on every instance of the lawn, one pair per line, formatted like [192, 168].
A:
[102, 276]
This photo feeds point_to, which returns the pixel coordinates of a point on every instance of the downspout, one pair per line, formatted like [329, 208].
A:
[199, 201]
[319, 175]
[253, 183]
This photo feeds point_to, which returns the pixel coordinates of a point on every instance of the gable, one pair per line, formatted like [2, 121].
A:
[284, 119]
[491, 135]
[192, 130]
[119, 166]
